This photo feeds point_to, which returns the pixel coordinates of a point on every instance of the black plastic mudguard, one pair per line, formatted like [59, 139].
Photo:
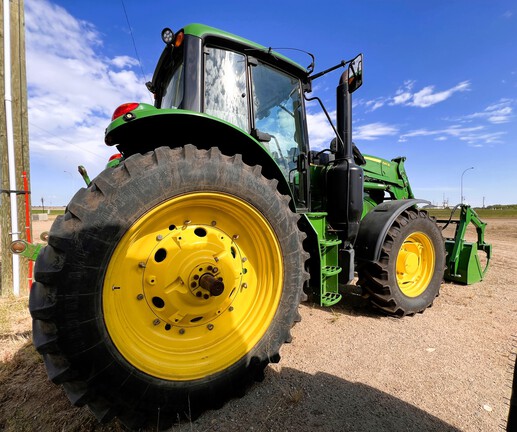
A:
[375, 225]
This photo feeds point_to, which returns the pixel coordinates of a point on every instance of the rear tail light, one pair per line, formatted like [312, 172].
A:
[124, 109]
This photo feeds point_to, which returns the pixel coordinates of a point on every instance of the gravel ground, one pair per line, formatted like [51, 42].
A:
[349, 368]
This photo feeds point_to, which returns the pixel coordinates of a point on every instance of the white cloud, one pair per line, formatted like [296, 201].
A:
[373, 131]
[475, 136]
[427, 96]
[422, 98]
[500, 112]
[321, 133]
[73, 88]
[123, 62]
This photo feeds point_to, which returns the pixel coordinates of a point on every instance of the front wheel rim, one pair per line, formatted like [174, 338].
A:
[415, 264]
[193, 286]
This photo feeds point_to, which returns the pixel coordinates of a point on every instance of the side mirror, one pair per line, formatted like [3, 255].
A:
[355, 73]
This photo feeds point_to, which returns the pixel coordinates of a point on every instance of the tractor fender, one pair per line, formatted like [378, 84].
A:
[150, 128]
[375, 226]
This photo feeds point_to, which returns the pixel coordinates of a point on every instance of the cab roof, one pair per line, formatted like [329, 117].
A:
[203, 31]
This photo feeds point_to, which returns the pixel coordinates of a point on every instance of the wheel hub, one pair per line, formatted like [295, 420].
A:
[408, 263]
[415, 264]
[185, 274]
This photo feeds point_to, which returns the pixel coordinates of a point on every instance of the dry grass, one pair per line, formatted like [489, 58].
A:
[14, 326]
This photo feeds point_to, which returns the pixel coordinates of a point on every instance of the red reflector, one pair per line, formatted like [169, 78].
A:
[124, 109]
[115, 156]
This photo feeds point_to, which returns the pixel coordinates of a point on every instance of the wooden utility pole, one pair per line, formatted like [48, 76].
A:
[21, 146]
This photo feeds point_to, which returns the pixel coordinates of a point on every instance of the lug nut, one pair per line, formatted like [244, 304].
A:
[210, 326]
[187, 222]
[245, 285]
[230, 308]
[216, 259]
[156, 322]
[140, 297]
[235, 236]
[159, 237]
[141, 264]
[213, 223]
[182, 331]
[244, 259]
[215, 270]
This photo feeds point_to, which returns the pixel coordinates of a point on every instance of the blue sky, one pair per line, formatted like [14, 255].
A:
[440, 81]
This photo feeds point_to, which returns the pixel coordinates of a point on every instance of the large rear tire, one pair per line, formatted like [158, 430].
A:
[407, 277]
[168, 286]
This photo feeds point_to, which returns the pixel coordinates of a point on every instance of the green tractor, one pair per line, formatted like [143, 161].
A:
[174, 278]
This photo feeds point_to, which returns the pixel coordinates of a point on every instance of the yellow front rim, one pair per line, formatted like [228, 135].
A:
[415, 264]
[193, 286]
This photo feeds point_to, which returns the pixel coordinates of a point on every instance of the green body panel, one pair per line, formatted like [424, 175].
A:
[177, 127]
[382, 176]
[463, 263]
[328, 252]
[201, 31]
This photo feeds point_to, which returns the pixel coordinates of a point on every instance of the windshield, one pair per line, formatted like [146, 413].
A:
[277, 112]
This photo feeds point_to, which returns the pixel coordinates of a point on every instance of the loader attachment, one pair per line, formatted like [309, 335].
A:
[463, 263]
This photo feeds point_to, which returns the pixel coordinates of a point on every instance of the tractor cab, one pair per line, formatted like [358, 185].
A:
[249, 86]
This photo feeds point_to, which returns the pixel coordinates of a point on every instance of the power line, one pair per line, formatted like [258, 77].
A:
[133, 39]
[66, 142]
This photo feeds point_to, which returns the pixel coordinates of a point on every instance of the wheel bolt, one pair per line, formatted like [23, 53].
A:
[141, 264]
[235, 236]
[230, 308]
[210, 326]
[159, 237]
[213, 223]
[245, 285]
[140, 297]
[244, 259]
[216, 259]
[209, 268]
[182, 331]
[156, 322]
[215, 270]
[187, 222]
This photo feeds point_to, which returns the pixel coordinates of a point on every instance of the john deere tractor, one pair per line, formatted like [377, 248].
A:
[174, 278]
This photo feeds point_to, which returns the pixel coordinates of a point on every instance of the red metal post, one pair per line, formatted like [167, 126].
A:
[28, 233]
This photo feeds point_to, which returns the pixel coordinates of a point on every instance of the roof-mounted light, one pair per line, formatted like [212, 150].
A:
[168, 36]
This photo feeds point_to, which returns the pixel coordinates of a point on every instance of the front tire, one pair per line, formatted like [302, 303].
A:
[168, 285]
[407, 277]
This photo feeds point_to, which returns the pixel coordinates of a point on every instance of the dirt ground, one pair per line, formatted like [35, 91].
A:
[348, 368]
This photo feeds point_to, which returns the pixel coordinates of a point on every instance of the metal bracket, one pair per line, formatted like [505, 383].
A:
[17, 192]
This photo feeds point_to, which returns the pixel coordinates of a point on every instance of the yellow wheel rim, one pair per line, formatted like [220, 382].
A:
[415, 264]
[193, 286]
